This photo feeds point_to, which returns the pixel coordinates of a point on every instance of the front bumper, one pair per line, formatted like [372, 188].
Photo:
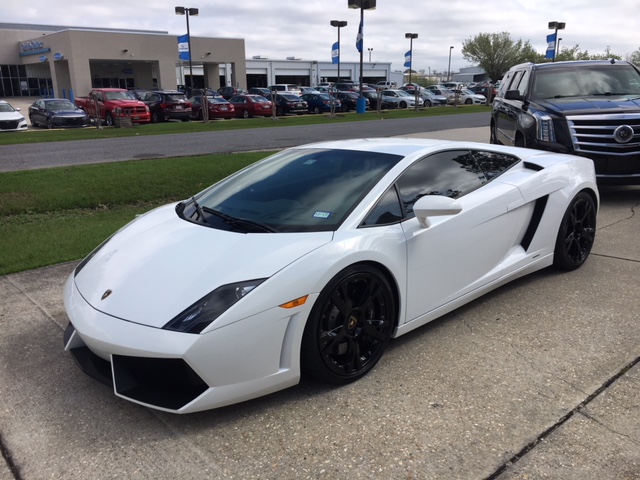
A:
[182, 372]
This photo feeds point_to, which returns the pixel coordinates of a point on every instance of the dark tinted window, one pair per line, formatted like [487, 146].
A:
[386, 211]
[493, 164]
[452, 174]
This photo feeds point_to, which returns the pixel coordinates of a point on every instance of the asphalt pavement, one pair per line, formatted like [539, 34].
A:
[538, 379]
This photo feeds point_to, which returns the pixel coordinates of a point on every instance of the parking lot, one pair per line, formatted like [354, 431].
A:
[539, 379]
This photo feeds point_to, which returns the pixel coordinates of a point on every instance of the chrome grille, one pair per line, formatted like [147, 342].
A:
[595, 134]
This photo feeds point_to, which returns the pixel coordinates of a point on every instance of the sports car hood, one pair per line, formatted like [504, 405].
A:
[597, 105]
[159, 265]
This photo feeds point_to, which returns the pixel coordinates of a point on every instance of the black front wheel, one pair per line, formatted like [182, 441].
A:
[349, 326]
[576, 234]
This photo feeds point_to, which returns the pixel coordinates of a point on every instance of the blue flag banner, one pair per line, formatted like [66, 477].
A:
[551, 46]
[335, 53]
[183, 47]
[359, 38]
[407, 59]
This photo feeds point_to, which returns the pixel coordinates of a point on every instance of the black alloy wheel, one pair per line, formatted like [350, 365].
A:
[349, 326]
[316, 110]
[108, 119]
[576, 234]
[155, 116]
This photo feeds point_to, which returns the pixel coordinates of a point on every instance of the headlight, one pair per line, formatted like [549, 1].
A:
[199, 315]
[545, 130]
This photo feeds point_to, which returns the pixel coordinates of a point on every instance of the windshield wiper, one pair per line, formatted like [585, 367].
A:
[240, 221]
[198, 210]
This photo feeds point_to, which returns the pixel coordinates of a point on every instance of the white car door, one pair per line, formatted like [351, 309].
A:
[457, 253]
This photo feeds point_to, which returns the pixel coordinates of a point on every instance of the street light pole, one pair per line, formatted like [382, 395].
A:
[410, 36]
[370, 50]
[556, 26]
[362, 5]
[338, 24]
[449, 69]
[188, 11]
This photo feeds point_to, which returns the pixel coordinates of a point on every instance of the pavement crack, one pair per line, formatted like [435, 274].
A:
[577, 409]
[607, 427]
[13, 468]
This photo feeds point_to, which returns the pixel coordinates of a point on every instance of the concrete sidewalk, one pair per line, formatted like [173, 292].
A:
[539, 379]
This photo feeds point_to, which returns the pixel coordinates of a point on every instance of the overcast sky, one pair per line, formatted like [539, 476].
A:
[301, 28]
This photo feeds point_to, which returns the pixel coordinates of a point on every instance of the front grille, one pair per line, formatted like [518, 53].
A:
[594, 134]
[9, 124]
[128, 111]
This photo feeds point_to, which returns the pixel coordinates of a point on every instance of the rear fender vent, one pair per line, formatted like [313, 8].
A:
[538, 211]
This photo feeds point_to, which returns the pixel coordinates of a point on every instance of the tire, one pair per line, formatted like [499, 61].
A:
[200, 115]
[520, 142]
[345, 108]
[468, 101]
[403, 105]
[316, 110]
[576, 233]
[49, 124]
[279, 111]
[349, 326]
[427, 103]
[155, 117]
[492, 135]
[245, 114]
[108, 119]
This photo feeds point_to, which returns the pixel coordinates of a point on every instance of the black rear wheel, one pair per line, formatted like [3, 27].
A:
[349, 327]
[576, 234]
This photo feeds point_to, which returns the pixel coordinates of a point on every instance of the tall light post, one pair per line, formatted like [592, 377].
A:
[338, 24]
[556, 26]
[558, 44]
[370, 50]
[410, 36]
[362, 5]
[193, 12]
[449, 69]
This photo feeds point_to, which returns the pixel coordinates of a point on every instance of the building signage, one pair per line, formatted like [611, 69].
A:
[32, 47]
[58, 56]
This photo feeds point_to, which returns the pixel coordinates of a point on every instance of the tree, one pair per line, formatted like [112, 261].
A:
[635, 57]
[496, 53]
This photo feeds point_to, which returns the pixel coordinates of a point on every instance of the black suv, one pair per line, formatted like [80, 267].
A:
[588, 108]
[168, 105]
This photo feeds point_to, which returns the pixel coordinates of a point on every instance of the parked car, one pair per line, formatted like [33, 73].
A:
[304, 90]
[488, 90]
[247, 106]
[448, 94]
[168, 105]
[109, 104]
[349, 100]
[469, 98]
[430, 99]
[290, 103]
[264, 91]
[386, 102]
[310, 261]
[228, 92]
[139, 93]
[405, 100]
[286, 88]
[589, 108]
[346, 86]
[56, 113]
[218, 107]
[11, 120]
[386, 84]
[321, 102]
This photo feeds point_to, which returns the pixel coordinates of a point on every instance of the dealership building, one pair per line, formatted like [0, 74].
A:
[61, 61]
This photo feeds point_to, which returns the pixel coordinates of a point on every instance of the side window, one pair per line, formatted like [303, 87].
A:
[493, 163]
[386, 211]
[453, 174]
[504, 85]
[522, 83]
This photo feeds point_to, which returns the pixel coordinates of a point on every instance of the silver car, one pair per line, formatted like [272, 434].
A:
[405, 100]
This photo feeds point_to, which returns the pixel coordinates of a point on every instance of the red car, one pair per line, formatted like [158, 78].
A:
[218, 107]
[251, 106]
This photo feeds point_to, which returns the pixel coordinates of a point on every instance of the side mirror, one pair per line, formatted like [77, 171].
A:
[435, 206]
[513, 95]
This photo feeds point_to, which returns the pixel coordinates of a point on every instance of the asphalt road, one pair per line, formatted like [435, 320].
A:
[44, 155]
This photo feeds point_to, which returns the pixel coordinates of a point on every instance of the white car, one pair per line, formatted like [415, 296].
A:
[11, 120]
[405, 100]
[312, 260]
[469, 98]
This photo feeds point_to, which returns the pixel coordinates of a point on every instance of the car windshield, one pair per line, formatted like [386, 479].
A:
[119, 96]
[5, 107]
[298, 190]
[594, 80]
[60, 105]
[290, 96]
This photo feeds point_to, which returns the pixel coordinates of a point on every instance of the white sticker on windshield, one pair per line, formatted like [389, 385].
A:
[322, 215]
